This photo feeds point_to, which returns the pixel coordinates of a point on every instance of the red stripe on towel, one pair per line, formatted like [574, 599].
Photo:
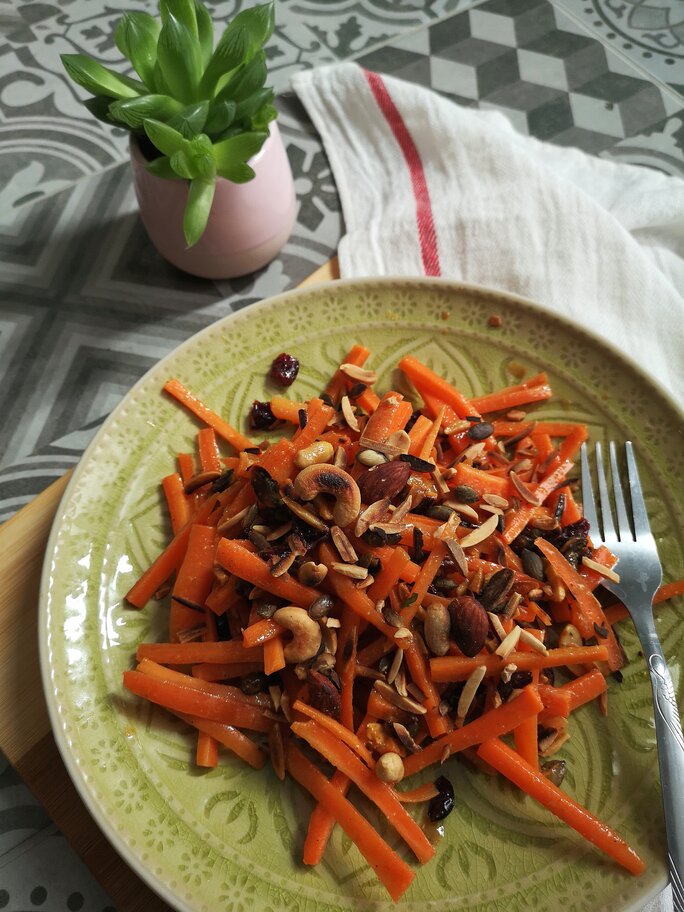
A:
[424, 218]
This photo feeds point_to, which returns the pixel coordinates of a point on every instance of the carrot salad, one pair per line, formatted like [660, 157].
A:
[389, 585]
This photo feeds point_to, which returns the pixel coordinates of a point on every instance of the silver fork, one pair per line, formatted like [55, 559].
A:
[640, 575]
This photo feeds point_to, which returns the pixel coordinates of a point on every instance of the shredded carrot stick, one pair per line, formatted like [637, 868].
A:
[224, 651]
[194, 405]
[513, 767]
[274, 655]
[458, 668]
[261, 632]
[237, 559]
[393, 872]
[177, 502]
[207, 447]
[337, 729]
[425, 379]
[510, 397]
[230, 737]
[286, 409]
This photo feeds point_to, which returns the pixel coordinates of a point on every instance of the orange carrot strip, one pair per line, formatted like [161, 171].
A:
[511, 396]
[618, 612]
[381, 423]
[380, 708]
[419, 794]
[481, 481]
[209, 456]
[261, 632]
[224, 671]
[583, 689]
[318, 414]
[177, 502]
[206, 753]
[338, 730]
[379, 792]
[196, 575]
[431, 436]
[186, 464]
[513, 767]
[517, 520]
[392, 871]
[194, 702]
[589, 610]
[417, 666]
[418, 433]
[525, 735]
[225, 651]
[427, 573]
[425, 379]
[490, 724]
[274, 655]
[389, 576]
[557, 700]
[194, 405]
[230, 737]
[358, 355]
[287, 410]
[234, 557]
[458, 668]
[347, 641]
[183, 618]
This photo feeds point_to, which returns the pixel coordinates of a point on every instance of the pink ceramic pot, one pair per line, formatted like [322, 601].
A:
[248, 224]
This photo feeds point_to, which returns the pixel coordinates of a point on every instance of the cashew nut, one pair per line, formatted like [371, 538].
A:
[306, 634]
[329, 479]
[318, 452]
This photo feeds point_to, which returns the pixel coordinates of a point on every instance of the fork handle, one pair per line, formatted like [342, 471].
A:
[670, 754]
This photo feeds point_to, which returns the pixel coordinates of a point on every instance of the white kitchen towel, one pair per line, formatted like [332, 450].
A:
[430, 188]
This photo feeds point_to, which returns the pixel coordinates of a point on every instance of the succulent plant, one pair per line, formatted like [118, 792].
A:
[205, 109]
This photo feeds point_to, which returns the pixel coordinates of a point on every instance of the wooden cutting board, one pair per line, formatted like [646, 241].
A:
[25, 735]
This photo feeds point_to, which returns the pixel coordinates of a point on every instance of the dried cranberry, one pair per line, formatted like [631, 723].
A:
[443, 803]
[284, 369]
[261, 418]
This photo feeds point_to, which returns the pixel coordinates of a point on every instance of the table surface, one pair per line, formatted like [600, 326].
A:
[88, 306]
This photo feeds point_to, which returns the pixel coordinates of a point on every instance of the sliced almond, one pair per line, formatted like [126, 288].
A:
[376, 512]
[509, 643]
[307, 516]
[448, 529]
[365, 583]
[279, 532]
[380, 446]
[440, 483]
[340, 459]
[523, 490]
[395, 666]
[344, 547]
[480, 534]
[361, 374]
[531, 641]
[349, 416]
[283, 564]
[600, 568]
[497, 625]
[477, 449]
[406, 703]
[353, 571]
[370, 458]
[490, 508]
[402, 633]
[202, 478]
[468, 693]
[456, 427]
[403, 508]
[458, 554]
[464, 509]
[496, 501]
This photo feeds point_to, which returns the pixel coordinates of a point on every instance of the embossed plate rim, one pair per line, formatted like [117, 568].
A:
[72, 763]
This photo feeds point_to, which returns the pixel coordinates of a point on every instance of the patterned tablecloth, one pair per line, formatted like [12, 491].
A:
[86, 304]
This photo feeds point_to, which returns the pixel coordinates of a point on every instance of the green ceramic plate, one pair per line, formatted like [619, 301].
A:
[231, 838]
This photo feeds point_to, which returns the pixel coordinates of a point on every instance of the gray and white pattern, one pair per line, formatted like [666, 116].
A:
[87, 305]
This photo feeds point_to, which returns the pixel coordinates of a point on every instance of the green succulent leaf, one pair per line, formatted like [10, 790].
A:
[197, 209]
[133, 111]
[136, 37]
[182, 164]
[190, 120]
[247, 108]
[99, 80]
[164, 137]
[263, 117]
[242, 38]
[99, 108]
[231, 155]
[205, 31]
[179, 58]
[221, 116]
[161, 167]
[182, 10]
[248, 79]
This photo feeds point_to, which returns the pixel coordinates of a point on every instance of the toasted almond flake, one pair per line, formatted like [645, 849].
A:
[402, 633]
[353, 571]
[497, 625]
[286, 706]
[516, 415]
[490, 508]
[479, 535]
[283, 564]
[233, 520]
[512, 605]
[365, 583]
[340, 459]
[468, 693]
[523, 490]
[448, 529]
[495, 501]
[262, 530]
[202, 478]
[192, 633]
[390, 694]
[400, 683]
[380, 446]
[344, 547]
[456, 427]
[477, 449]
[416, 692]
[458, 554]
[275, 694]
[508, 672]
[476, 580]
[332, 622]
[441, 484]
[407, 741]
[395, 666]
[545, 523]
[535, 593]
[464, 509]
[362, 374]
[363, 671]
[531, 641]
[524, 465]
[307, 516]
[329, 639]
[446, 753]
[349, 416]
[375, 512]
[403, 508]
[391, 528]
[280, 531]
[509, 643]
[600, 568]
[296, 545]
